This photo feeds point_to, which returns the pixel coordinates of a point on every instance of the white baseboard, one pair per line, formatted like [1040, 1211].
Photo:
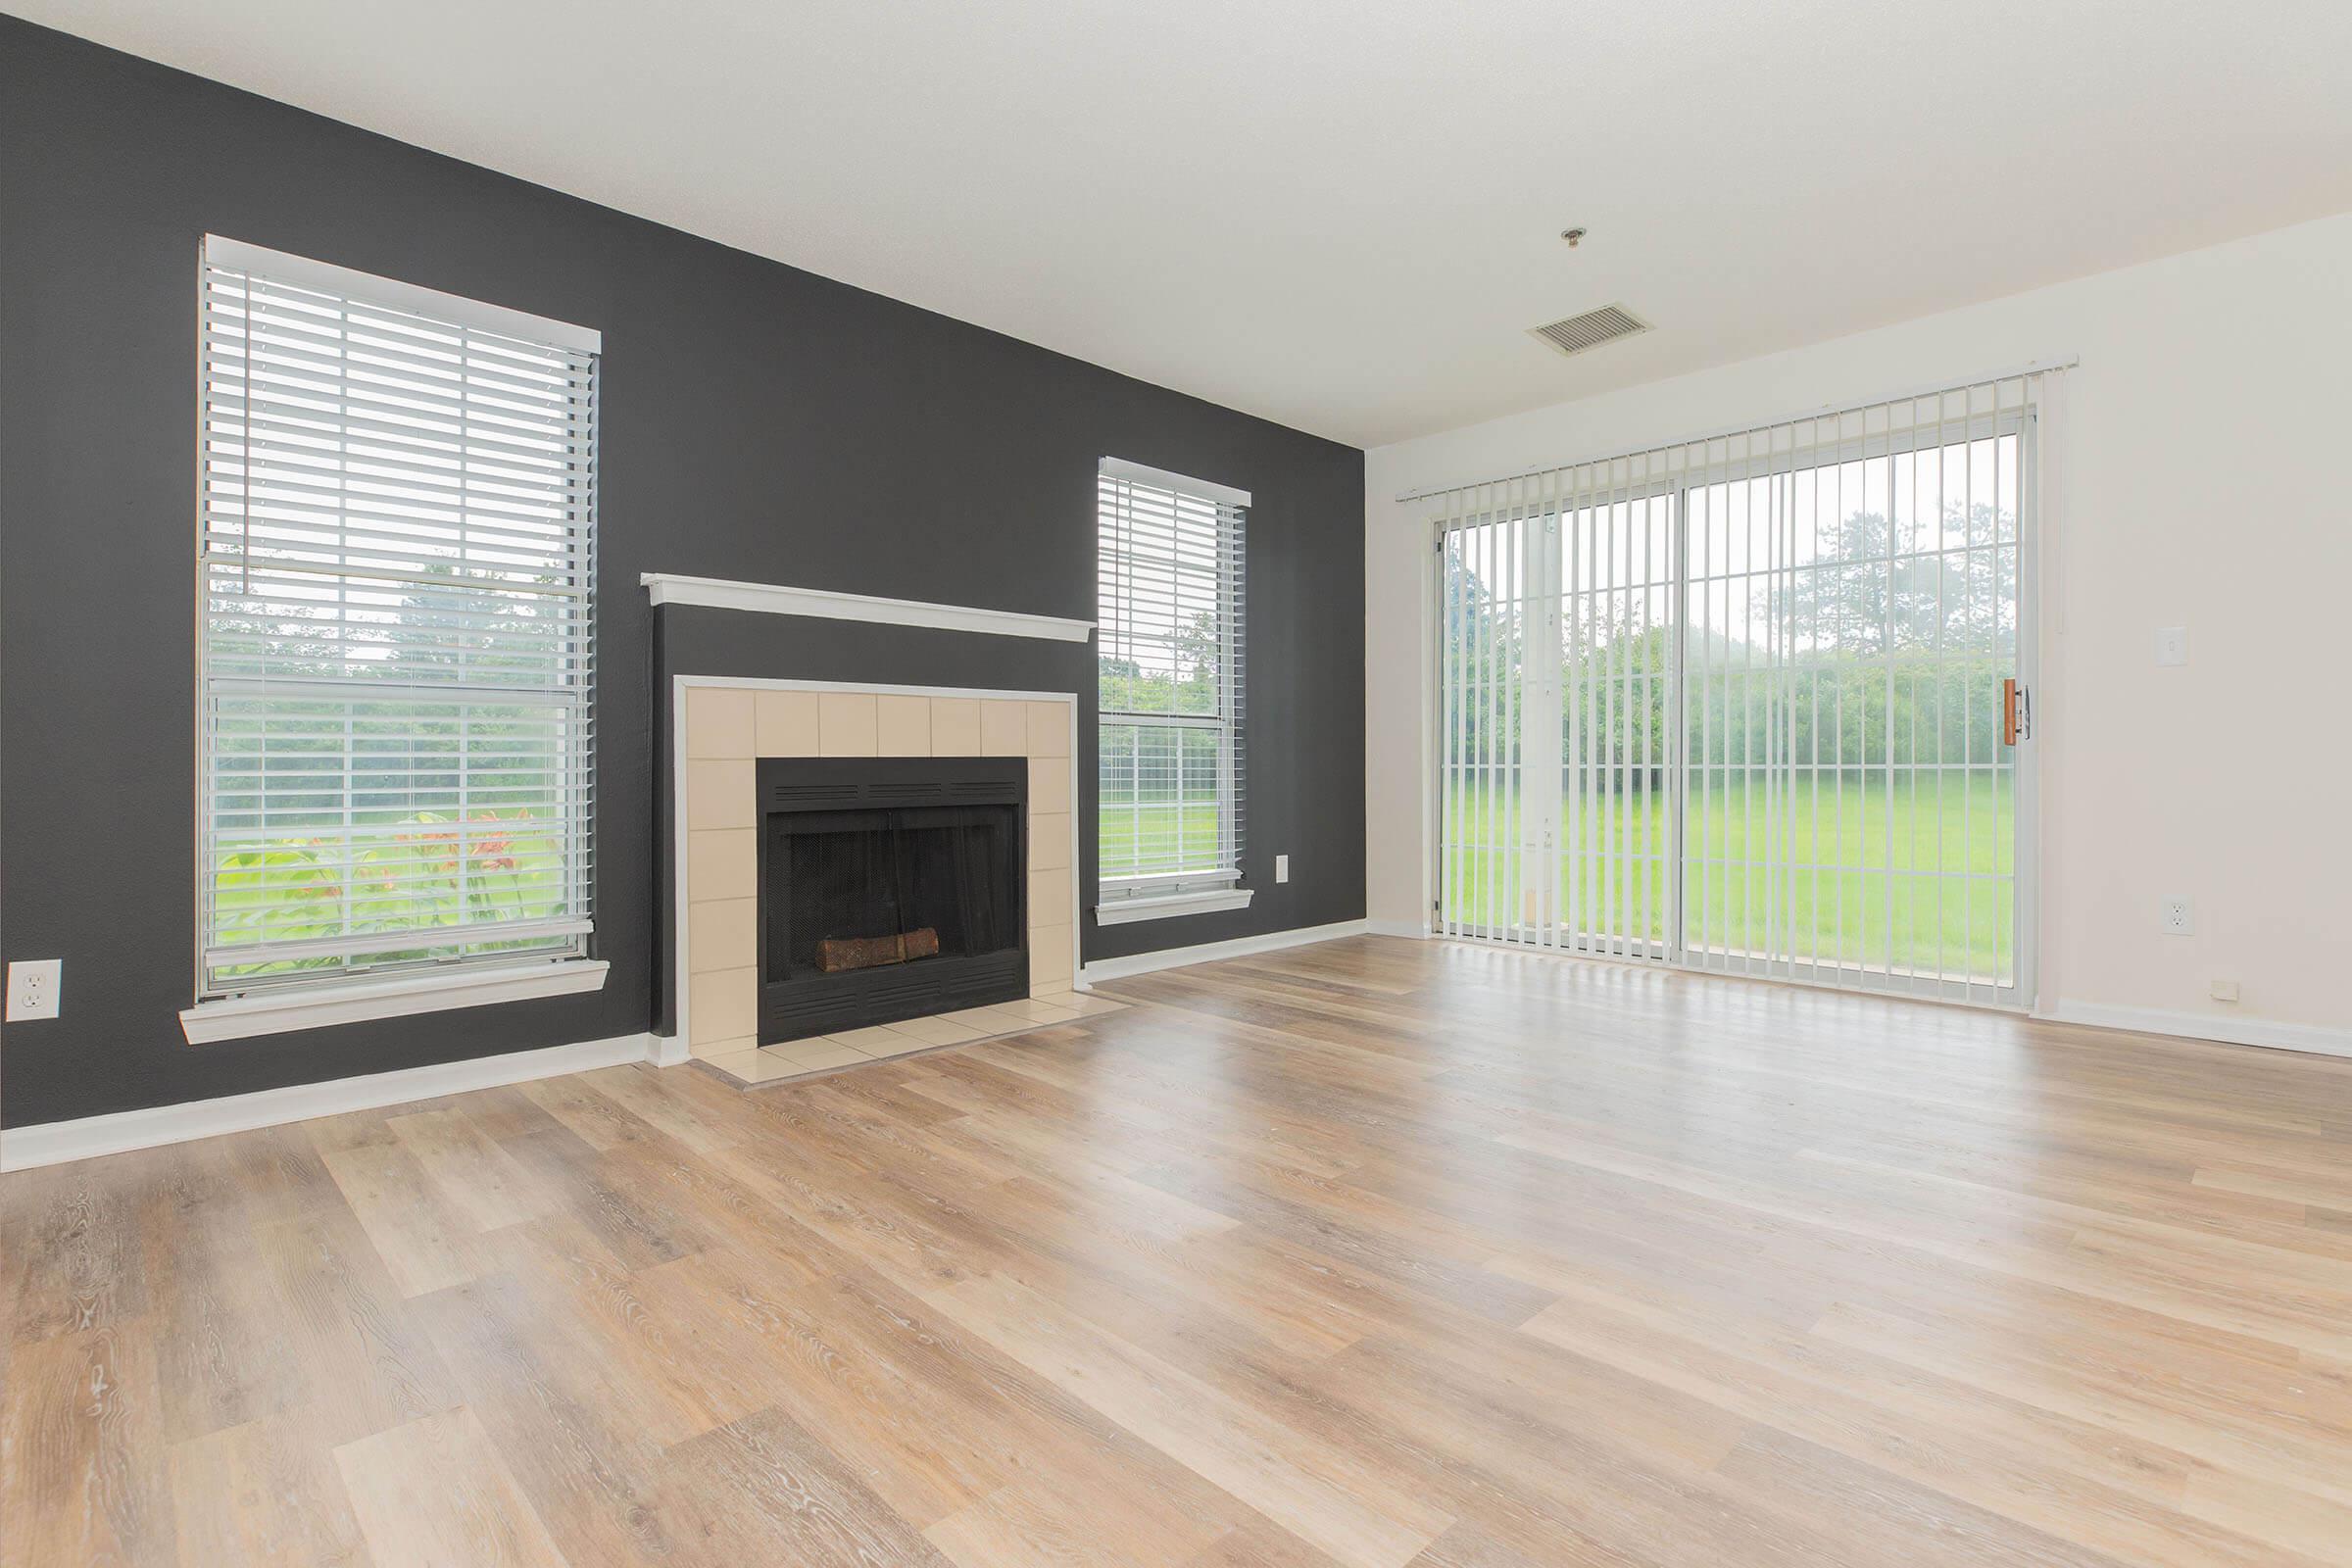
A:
[1210, 952]
[2317, 1039]
[1398, 928]
[668, 1051]
[54, 1143]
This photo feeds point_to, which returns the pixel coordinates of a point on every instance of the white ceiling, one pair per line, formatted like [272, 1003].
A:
[1344, 213]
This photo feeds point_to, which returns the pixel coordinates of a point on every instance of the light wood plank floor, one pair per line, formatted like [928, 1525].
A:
[1372, 1253]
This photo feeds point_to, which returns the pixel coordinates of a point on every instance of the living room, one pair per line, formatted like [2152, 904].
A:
[1214, 785]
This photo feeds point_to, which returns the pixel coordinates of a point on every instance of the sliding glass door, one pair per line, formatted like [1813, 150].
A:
[1751, 703]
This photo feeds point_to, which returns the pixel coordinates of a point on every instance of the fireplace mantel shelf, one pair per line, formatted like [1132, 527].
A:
[777, 599]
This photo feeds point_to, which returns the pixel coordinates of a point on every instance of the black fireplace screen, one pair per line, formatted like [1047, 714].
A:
[851, 874]
[931, 850]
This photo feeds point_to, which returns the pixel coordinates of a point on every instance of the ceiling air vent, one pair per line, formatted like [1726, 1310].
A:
[1591, 330]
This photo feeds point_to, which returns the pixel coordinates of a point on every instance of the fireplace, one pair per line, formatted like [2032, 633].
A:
[889, 888]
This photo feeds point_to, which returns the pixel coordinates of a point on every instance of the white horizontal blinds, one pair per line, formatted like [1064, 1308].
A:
[396, 661]
[1170, 668]
[1779, 658]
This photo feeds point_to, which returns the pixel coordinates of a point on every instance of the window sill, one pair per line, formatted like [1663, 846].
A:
[1122, 911]
[392, 997]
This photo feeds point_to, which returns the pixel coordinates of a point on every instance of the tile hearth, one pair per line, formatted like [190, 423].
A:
[820, 1053]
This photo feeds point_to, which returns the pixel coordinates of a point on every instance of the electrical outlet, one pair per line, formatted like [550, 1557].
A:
[2172, 645]
[1282, 868]
[32, 986]
[2177, 916]
[2225, 991]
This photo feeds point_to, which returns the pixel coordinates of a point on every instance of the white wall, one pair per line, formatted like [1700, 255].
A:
[2208, 483]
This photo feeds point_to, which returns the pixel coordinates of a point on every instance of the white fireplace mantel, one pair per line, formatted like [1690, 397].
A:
[825, 604]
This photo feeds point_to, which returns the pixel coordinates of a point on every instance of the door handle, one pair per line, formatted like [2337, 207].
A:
[2017, 712]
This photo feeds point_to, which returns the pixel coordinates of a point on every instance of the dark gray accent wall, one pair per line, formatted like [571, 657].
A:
[758, 423]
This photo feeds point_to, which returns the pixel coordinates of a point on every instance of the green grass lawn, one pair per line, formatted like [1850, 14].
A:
[1121, 825]
[1852, 874]
[1842, 871]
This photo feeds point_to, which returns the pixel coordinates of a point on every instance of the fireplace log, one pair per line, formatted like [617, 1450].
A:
[836, 953]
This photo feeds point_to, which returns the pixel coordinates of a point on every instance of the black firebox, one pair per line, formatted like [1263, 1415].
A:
[856, 848]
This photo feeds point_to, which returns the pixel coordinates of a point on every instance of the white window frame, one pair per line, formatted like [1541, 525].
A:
[1121, 899]
[351, 994]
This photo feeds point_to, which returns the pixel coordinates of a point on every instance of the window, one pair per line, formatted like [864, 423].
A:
[1759, 703]
[396, 566]
[1170, 694]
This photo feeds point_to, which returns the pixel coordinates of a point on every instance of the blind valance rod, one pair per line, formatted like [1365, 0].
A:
[2030, 369]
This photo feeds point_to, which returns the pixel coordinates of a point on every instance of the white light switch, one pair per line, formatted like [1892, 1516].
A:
[1282, 868]
[2172, 645]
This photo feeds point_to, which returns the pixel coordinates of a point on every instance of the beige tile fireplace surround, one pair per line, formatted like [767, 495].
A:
[729, 725]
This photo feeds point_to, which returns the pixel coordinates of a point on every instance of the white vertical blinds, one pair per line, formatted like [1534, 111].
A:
[1169, 686]
[397, 565]
[1741, 702]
